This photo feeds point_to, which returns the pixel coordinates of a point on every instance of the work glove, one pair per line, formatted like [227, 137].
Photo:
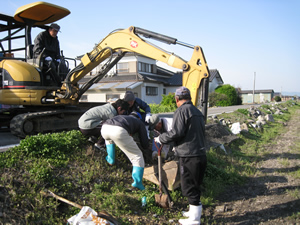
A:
[147, 118]
[148, 133]
[48, 58]
[156, 139]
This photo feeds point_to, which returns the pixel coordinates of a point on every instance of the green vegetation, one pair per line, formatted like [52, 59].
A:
[168, 104]
[277, 99]
[67, 165]
[224, 95]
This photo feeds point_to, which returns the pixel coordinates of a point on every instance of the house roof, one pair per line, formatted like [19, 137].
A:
[214, 74]
[256, 91]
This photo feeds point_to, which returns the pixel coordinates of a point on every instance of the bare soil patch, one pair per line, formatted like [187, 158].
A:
[271, 195]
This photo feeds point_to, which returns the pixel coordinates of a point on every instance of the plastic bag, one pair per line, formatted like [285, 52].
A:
[236, 128]
[87, 216]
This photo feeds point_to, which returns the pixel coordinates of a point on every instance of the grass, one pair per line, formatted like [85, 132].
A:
[294, 193]
[67, 165]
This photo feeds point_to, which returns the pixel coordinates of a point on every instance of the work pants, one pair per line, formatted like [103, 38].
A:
[191, 175]
[125, 142]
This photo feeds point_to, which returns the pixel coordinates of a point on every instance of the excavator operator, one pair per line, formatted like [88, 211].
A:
[47, 44]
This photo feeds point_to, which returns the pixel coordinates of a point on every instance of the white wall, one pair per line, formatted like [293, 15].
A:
[96, 97]
[213, 85]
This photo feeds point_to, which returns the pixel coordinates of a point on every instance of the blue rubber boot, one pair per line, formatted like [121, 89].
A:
[111, 154]
[137, 175]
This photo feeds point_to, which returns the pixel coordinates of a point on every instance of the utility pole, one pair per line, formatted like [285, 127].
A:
[254, 88]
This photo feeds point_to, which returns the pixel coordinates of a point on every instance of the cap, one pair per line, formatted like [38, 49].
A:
[129, 96]
[55, 26]
[182, 91]
[153, 121]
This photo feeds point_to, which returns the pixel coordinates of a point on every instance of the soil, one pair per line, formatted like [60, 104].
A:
[271, 195]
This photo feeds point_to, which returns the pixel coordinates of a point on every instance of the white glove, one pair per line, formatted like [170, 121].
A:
[147, 118]
[48, 58]
[58, 60]
[156, 139]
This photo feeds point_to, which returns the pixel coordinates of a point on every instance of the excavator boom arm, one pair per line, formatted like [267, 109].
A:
[128, 40]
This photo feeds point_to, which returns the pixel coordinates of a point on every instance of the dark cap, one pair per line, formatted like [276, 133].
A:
[153, 121]
[129, 96]
[182, 91]
[55, 26]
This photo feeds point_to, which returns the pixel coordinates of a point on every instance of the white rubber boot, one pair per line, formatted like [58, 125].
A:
[194, 216]
[185, 213]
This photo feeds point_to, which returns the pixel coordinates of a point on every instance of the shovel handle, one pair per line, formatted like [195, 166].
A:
[159, 166]
[158, 149]
[49, 193]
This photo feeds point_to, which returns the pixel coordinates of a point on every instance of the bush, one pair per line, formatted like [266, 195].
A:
[168, 100]
[167, 104]
[230, 92]
[277, 99]
[216, 99]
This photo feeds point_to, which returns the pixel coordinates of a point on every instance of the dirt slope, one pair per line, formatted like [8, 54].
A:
[272, 195]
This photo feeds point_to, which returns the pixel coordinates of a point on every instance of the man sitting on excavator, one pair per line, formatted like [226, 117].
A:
[47, 44]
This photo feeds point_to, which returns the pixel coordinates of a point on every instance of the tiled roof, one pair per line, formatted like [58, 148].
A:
[256, 91]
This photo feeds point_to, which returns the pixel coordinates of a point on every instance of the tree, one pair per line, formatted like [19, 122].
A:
[231, 94]
[168, 100]
[215, 99]
[277, 99]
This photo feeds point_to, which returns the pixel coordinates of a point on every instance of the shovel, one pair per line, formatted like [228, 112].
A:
[163, 200]
[102, 214]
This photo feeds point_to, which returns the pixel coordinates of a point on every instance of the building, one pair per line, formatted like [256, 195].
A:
[142, 76]
[215, 80]
[260, 96]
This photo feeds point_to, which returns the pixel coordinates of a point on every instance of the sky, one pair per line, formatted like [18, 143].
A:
[254, 44]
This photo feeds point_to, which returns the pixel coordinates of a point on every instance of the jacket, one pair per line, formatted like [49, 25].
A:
[132, 125]
[51, 45]
[139, 104]
[94, 116]
[188, 131]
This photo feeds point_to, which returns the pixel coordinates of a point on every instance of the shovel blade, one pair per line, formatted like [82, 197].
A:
[162, 200]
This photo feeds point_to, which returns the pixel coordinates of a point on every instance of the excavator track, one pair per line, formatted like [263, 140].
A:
[44, 122]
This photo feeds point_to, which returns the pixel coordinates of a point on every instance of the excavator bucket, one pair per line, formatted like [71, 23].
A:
[170, 174]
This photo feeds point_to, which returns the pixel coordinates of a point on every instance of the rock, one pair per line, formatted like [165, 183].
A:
[269, 117]
[220, 208]
[244, 127]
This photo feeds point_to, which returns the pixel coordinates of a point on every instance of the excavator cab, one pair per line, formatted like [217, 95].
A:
[41, 13]
[32, 15]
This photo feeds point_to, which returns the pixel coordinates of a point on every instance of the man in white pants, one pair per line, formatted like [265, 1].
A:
[119, 131]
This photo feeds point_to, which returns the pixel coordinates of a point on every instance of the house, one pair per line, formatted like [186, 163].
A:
[260, 96]
[142, 76]
[215, 80]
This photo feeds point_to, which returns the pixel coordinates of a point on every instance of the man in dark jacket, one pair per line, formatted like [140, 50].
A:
[188, 135]
[119, 130]
[135, 104]
[48, 41]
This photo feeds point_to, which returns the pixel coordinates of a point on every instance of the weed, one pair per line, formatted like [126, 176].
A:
[294, 193]
[285, 162]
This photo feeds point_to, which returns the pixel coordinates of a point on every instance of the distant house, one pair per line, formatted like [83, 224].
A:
[260, 96]
[285, 97]
[142, 76]
[215, 80]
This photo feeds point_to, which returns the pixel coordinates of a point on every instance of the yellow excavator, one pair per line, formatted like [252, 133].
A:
[44, 108]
